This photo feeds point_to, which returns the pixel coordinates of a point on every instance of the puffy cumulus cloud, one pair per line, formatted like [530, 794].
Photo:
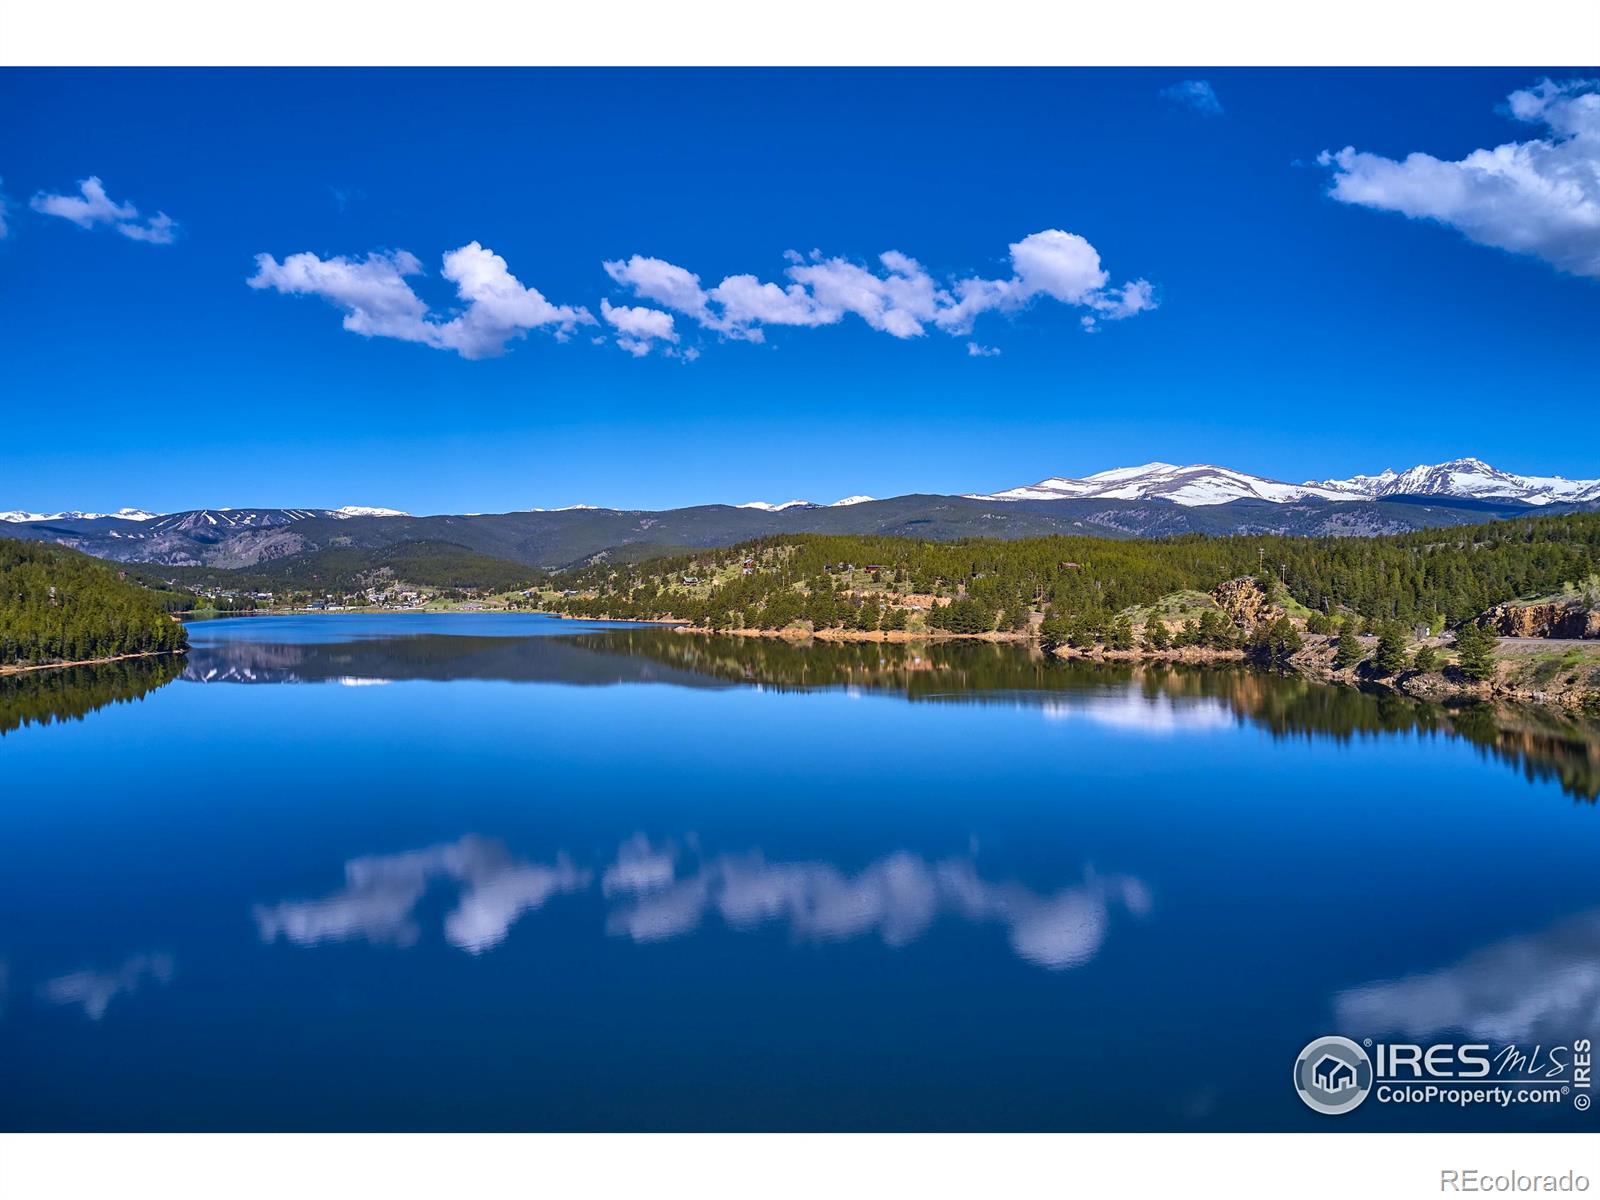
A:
[1197, 94]
[897, 296]
[92, 207]
[900, 302]
[661, 281]
[379, 302]
[638, 329]
[747, 304]
[1539, 197]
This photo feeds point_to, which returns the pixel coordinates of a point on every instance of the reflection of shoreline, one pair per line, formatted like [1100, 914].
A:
[1552, 745]
[85, 662]
[50, 697]
[897, 897]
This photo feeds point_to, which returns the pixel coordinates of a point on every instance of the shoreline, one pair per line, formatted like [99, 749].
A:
[84, 662]
[1313, 662]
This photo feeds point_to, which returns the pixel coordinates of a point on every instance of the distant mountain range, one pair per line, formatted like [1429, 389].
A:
[1203, 484]
[1155, 500]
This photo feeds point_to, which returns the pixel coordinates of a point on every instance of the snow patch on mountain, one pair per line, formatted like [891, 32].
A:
[122, 514]
[849, 500]
[1204, 484]
[765, 507]
[1199, 484]
[1471, 478]
[362, 510]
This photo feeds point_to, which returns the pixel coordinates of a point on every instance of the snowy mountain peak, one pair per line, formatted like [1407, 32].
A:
[1198, 484]
[1206, 483]
[362, 510]
[122, 514]
[765, 507]
[849, 500]
[1469, 478]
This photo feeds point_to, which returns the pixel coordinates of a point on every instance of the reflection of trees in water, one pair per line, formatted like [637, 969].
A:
[1548, 744]
[71, 693]
[967, 670]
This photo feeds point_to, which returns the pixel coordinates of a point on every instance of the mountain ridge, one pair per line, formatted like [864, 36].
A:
[1195, 485]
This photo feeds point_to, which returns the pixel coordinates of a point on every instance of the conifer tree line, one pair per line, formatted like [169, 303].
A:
[1438, 577]
[57, 605]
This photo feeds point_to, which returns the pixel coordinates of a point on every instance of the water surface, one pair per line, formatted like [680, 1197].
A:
[510, 872]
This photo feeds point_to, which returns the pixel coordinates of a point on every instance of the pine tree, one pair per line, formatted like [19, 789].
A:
[1475, 647]
[1350, 650]
[1120, 635]
[1156, 636]
[1391, 655]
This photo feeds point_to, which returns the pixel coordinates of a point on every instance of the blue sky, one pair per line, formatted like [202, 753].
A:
[1284, 330]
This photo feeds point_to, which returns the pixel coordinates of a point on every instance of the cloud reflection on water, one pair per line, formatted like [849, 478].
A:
[93, 990]
[1543, 986]
[381, 892]
[1134, 712]
[897, 898]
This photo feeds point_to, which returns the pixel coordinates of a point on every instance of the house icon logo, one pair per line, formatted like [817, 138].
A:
[1333, 1075]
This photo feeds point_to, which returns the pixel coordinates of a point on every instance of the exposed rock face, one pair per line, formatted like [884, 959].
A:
[1245, 603]
[1560, 619]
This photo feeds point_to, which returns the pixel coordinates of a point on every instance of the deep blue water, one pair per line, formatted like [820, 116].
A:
[509, 872]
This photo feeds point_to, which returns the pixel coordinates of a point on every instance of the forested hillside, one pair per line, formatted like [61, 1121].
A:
[1437, 576]
[57, 605]
[347, 570]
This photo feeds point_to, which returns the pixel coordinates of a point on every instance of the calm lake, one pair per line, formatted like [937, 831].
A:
[510, 872]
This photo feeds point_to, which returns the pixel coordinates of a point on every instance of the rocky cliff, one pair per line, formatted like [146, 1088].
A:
[1245, 603]
[1556, 619]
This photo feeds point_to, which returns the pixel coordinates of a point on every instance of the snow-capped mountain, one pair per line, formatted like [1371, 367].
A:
[122, 514]
[1203, 484]
[766, 507]
[1193, 485]
[1471, 478]
[210, 516]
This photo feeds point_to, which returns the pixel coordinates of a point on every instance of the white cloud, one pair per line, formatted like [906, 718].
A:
[898, 296]
[92, 207]
[1540, 197]
[1197, 94]
[747, 304]
[976, 351]
[660, 281]
[638, 328]
[378, 302]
